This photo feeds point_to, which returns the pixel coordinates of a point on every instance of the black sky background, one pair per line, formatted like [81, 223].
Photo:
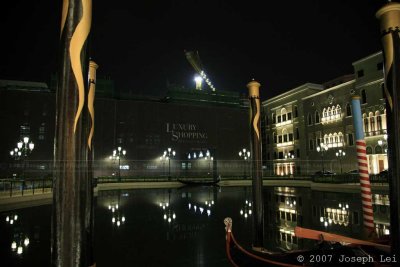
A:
[140, 44]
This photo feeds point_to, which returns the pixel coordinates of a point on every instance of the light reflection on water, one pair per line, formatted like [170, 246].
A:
[184, 226]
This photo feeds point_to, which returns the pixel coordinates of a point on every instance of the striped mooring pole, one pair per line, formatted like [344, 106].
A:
[362, 161]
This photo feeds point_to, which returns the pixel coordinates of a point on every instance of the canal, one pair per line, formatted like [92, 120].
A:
[184, 226]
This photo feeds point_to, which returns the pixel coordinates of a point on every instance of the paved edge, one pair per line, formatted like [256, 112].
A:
[19, 202]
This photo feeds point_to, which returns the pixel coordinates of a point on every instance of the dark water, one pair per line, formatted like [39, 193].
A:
[146, 237]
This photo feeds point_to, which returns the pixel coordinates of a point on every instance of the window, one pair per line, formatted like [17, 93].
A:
[348, 109]
[372, 121]
[279, 138]
[378, 121]
[279, 119]
[275, 155]
[379, 66]
[350, 139]
[266, 120]
[316, 116]
[383, 90]
[363, 97]
[360, 73]
[297, 134]
[285, 138]
[296, 113]
[267, 139]
[298, 153]
[275, 138]
[366, 124]
[284, 117]
[311, 142]
[290, 136]
[309, 119]
[289, 116]
[268, 156]
[273, 118]
[280, 154]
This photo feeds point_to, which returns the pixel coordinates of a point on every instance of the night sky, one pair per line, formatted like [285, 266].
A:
[140, 44]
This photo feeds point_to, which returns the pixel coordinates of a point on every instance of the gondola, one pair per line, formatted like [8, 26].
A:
[199, 182]
[324, 254]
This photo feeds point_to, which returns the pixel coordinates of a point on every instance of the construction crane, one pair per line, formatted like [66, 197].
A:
[194, 60]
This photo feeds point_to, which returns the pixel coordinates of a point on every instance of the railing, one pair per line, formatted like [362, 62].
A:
[349, 178]
[21, 187]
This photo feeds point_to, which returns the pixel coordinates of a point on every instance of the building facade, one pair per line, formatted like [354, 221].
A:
[310, 128]
[213, 124]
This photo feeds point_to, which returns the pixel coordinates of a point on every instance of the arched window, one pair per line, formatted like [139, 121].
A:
[378, 150]
[326, 139]
[371, 121]
[330, 139]
[369, 150]
[309, 119]
[328, 112]
[324, 113]
[341, 139]
[317, 117]
[335, 138]
[333, 111]
[348, 109]
[365, 119]
[378, 121]
[363, 97]
[338, 110]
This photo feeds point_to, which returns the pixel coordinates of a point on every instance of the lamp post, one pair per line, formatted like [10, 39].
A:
[245, 154]
[340, 154]
[210, 159]
[168, 154]
[322, 148]
[23, 150]
[117, 154]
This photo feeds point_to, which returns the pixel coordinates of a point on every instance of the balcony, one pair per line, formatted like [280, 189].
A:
[330, 119]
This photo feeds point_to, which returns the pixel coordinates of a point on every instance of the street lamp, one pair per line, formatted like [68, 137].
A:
[168, 154]
[245, 154]
[198, 81]
[340, 154]
[117, 154]
[23, 150]
[322, 148]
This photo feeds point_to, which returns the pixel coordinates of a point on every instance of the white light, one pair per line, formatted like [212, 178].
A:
[165, 216]
[26, 139]
[169, 219]
[119, 149]
[190, 206]
[208, 212]
[109, 207]
[112, 209]
[116, 206]
[118, 223]
[250, 212]
[245, 215]
[212, 202]
[330, 221]
[11, 221]
[340, 205]
[19, 250]
[26, 241]
[7, 219]
[241, 212]
[325, 223]
[19, 144]
[13, 245]
[198, 79]
[201, 210]
[173, 216]
[347, 206]
[113, 219]
[249, 204]
[206, 202]
[321, 219]
[123, 219]
[31, 146]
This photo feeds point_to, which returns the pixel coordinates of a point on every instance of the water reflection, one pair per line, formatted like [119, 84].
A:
[186, 224]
